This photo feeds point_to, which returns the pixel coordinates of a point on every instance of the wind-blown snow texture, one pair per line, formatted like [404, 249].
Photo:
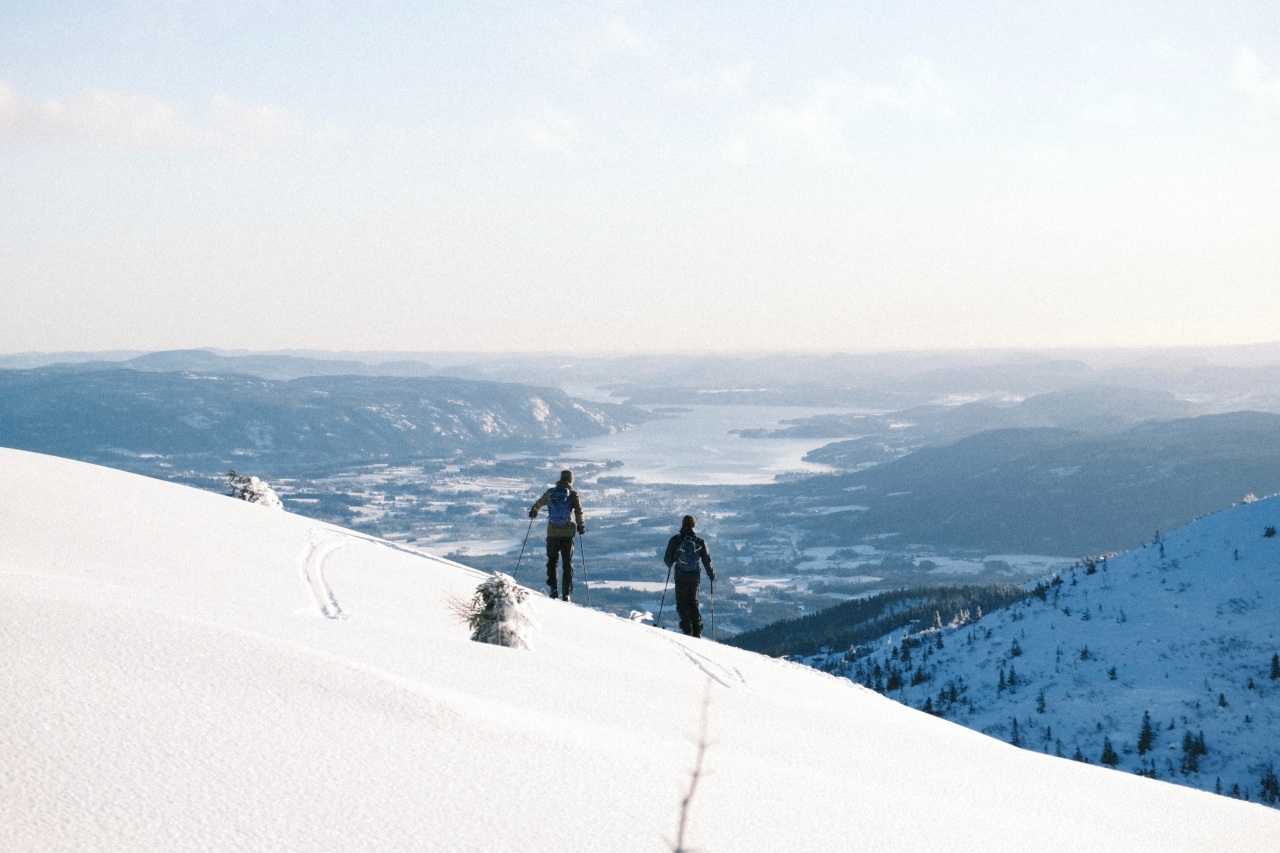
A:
[181, 671]
[1183, 630]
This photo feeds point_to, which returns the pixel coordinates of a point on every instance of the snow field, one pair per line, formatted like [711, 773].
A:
[186, 672]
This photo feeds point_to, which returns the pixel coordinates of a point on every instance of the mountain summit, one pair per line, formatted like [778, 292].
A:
[186, 672]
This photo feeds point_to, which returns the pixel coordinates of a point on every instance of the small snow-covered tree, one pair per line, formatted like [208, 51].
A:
[253, 490]
[498, 613]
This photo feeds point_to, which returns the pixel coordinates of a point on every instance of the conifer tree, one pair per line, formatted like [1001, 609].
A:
[1109, 755]
[1275, 667]
[1270, 790]
[1192, 749]
[1147, 736]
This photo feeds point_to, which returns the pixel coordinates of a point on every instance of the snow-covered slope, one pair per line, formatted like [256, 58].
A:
[1183, 632]
[183, 671]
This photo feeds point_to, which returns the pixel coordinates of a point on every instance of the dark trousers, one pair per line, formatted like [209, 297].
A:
[561, 548]
[687, 603]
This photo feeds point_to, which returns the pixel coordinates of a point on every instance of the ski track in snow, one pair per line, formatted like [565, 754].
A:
[422, 555]
[311, 567]
[714, 670]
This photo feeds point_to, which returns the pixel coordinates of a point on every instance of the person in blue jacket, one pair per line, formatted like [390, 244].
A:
[564, 507]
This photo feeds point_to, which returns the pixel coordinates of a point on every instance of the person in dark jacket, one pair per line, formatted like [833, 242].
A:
[687, 553]
[563, 508]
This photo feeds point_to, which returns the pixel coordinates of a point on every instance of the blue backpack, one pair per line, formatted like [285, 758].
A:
[558, 506]
[687, 554]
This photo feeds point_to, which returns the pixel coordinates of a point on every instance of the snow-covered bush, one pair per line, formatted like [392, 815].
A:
[253, 490]
[498, 613]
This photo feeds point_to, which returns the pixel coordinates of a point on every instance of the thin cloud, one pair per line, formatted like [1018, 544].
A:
[810, 126]
[918, 90]
[134, 121]
[616, 39]
[721, 80]
[1254, 79]
[817, 123]
[1117, 111]
[145, 123]
[550, 131]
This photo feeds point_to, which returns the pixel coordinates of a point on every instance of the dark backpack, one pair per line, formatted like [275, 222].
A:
[687, 554]
[558, 505]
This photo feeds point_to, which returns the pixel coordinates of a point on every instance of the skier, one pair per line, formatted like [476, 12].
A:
[684, 552]
[563, 507]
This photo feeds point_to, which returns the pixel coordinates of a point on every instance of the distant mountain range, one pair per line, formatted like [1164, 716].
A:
[101, 413]
[1219, 379]
[1042, 490]
[279, 366]
[1013, 453]
[1090, 409]
[1164, 660]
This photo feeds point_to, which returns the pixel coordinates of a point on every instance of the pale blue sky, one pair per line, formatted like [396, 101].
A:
[673, 175]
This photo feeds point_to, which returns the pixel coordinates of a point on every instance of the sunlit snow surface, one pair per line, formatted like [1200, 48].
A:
[181, 671]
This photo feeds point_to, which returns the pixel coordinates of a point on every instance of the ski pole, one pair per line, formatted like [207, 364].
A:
[582, 554]
[713, 608]
[663, 603]
[522, 544]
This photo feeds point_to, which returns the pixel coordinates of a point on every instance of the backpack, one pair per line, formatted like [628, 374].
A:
[687, 554]
[558, 505]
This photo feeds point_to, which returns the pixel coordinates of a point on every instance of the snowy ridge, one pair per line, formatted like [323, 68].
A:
[1146, 652]
[170, 682]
